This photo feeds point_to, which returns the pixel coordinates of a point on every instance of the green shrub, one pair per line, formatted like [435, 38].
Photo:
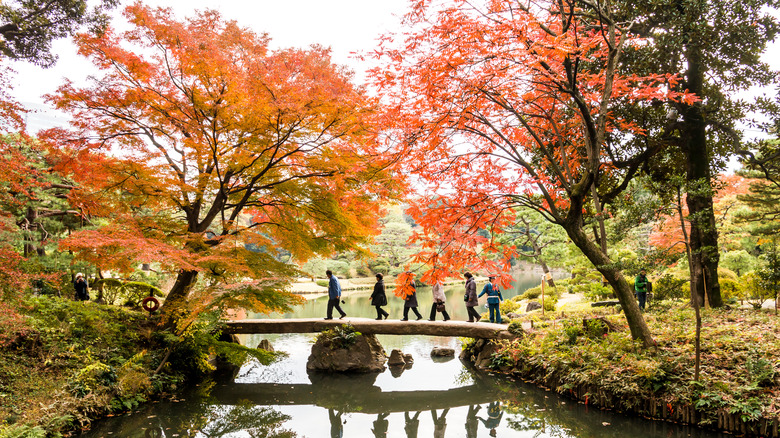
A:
[550, 303]
[532, 293]
[516, 328]
[572, 329]
[668, 287]
[507, 306]
[323, 283]
[343, 336]
[597, 292]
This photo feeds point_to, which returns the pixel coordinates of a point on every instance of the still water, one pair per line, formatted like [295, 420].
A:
[433, 398]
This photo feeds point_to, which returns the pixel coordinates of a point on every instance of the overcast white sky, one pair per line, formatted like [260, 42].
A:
[345, 26]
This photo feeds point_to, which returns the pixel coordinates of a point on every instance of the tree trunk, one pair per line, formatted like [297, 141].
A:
[176, 300]
[636, 323]
[704, 234]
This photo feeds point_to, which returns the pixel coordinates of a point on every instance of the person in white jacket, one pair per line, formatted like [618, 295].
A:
[438, 302]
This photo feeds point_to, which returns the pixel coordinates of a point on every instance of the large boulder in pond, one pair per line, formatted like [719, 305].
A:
[360, 354]
[396, 358]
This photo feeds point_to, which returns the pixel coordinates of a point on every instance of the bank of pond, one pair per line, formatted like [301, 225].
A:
[77, 362]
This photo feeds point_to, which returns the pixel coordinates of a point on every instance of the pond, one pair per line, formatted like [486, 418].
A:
[432, 398]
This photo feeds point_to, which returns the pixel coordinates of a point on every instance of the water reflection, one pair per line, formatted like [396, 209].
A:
[439, 399]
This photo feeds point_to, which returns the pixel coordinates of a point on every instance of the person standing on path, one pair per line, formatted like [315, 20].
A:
[640, 288]
[438, 302]
[81, 286]
[334, 295]
[494, 299]
[379, 298]
[411, 303]
[471, 298]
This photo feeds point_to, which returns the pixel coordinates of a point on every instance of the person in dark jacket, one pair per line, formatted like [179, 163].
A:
[411, 303]
[640, 288]
[379, 298]
[471, 298]
[334, 295]
[81, 286]
[494, 299]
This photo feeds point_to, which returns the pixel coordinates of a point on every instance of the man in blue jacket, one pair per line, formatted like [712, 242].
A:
[334, 295]
[494, 299]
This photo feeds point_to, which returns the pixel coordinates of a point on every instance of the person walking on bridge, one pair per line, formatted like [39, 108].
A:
[410, 302]
[494, 299]
[379, 298]
[334, 295]
[438, 302]
[471, 298]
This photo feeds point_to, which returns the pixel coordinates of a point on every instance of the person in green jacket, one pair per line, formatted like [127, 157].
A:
[640, 288]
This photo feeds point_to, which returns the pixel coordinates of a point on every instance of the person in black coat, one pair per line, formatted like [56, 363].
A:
[411, 303]
[81, 287]
[379, 298]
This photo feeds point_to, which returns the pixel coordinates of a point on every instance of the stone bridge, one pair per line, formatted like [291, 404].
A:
[479, 330]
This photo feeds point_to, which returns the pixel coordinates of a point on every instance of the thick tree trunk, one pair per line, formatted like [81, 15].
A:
[636, 323]
[175, 302]
[704, 234]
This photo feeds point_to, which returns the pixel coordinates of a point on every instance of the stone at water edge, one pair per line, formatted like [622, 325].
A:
[408, 359]
[366, 355]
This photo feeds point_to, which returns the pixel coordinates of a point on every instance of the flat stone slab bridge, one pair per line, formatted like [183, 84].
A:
[479, 330]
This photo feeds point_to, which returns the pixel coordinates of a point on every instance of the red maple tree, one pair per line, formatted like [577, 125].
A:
[501, 104]
[212, 154]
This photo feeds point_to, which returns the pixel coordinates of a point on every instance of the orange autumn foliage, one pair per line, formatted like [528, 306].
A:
[212, 153]
[496, 105]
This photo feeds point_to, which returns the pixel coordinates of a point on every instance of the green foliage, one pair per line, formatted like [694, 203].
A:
[597, 292]
[322, 283]
[515, 327]
[343, 336]
[121, 292]
[508, 306]
[761, 372]
[571, 330]
[92, 377]
[668, 287]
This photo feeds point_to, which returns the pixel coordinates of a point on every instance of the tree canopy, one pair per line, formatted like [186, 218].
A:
[199, 141]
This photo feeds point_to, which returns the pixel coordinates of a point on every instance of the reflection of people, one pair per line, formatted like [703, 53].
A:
[379, 298]
[471, 298]
[334, 295]
[640, 287]
[494, 299]
[438, 302]
[412, 424]
[439, 423]
[471, 421]
[494, 417]
[80, 284]
[336, 427]
[411, 303]
[380, 425]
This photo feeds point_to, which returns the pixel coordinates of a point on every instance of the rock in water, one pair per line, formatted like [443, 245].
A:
[365, 355]
[265, 344]
[396, 358]
[408, 359]
[442, 352]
